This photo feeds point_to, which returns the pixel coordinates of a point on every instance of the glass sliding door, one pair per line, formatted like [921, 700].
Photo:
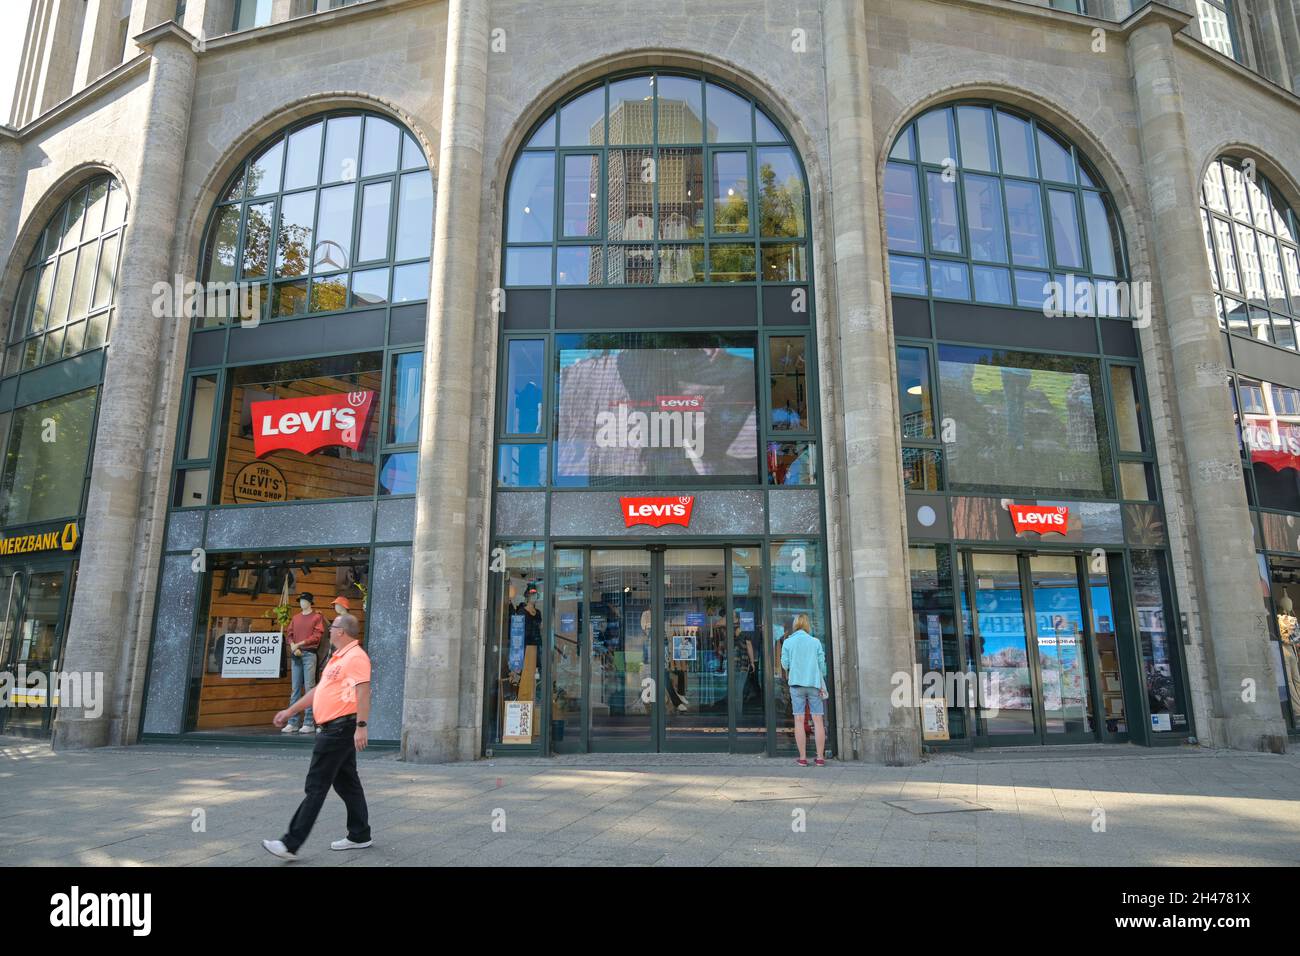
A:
[1059, 633]
[623, 690]
[35, 649]
[695, 693]
[751, 668]
[1001, 648]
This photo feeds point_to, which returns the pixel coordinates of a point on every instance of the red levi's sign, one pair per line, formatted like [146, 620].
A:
[1040, 518]
[657, 512]
[311, 423]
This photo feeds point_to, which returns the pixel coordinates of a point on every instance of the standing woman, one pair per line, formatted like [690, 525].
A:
[804, 661]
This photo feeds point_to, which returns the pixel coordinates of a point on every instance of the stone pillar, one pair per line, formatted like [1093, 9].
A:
[1235, 636]
[97, 639]
[442, 607]
[877, 595]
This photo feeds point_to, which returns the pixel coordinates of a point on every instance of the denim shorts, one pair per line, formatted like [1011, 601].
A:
[810, 694]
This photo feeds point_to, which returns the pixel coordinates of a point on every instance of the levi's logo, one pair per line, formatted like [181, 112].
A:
[669, 402]
[657, 512]
[311, 423]
[1040, 518]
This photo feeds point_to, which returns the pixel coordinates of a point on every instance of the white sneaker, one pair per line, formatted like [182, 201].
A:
[288, 729]
[277, 848]
[307, 729]
[346, 844]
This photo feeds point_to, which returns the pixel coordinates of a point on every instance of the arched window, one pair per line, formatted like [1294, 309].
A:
[987, 204]
[656, 179]
[334, 213]
[1250, 242]
[65, 296]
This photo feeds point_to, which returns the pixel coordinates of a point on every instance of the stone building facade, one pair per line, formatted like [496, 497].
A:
[177, 101]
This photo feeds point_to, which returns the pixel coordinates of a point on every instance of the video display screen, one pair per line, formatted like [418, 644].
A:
[656, 406]
[1017, 420]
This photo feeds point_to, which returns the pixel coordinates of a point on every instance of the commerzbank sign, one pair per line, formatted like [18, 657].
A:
[60, 539]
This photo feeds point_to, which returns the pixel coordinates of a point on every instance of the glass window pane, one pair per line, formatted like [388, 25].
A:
[383, 140]
[630, 265]
[797, 584]
[992, 285]
[398, 474]
[191, 488]
[411, 282]
[1235, 184]
[289, 298]
[376, 199]
[96, 203]
[949, 280]
[105, 272]
[370, 287]
[781, 193]
[23, 304]
[414, 216]
[1016, 140]
[41, 309]
[784, 263]
[302, 161]
[257, 239]
[1103, 237]
[792, 463]
[1065, 229]
[1291, 265]
[579, 265]
[333, 248]
[765, 130]
[902, 208]
[545, 135]
[329, 293]
[521, 466]
[630, 194]
[903, 146]
[531, 206]
[729, 116]
[975, 128]
[412, 154]
[342, 139]
[681, 193]
[941, 202]
[76, 335]
[528, 266]
[264, 171]
[525, 385]
[730, 193]
[1252, 273]
[62, 289]
[203, 404]
[404, 399]
[1227, 255]
[680, 110]
[582, 122]
[1054, 158]
[581, 195]
[731, 263]
[681, 264]
[1030, 288]
[1271, 265]
[53, 345]
[922, 468]
[1128, 410]
[294, 242]
[1025, 214]
[81, 287]
[222, 243]
[72, 225]
[631, 110]
[43, 480]
[915, 397]
[984, 222]
[116, 213]
[788, 381]
[935, 134]
[907, 275]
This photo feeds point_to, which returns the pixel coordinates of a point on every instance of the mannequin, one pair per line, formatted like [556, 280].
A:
[1290, 641]
[303, 637]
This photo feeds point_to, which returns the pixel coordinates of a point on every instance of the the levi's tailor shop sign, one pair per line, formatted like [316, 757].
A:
[310, 423]
[260, 481]
[1040, 518]
[657, 512]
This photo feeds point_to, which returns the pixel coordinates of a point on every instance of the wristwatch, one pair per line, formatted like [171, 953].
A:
[361, 723]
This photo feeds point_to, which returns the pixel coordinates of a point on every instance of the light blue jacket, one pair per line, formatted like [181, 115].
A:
[804, 660]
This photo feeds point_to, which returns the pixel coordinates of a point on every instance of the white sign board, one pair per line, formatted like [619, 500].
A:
[255, 654]
[518, 723]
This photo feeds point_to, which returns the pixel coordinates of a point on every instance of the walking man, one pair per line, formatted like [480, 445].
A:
[341, 702]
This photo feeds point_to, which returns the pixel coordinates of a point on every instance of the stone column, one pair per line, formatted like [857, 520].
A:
[877, 595]
[97, 639]
[441, 607]
[1235, 636]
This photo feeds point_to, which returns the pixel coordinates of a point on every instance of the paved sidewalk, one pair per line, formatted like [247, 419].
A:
[140, 805]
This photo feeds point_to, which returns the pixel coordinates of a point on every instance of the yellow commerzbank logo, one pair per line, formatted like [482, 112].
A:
[65, 540]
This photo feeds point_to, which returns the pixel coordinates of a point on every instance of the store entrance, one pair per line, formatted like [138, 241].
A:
[672, 654]
[1050, 644]
[37, 600]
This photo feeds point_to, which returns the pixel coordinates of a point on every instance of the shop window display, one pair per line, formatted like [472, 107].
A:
[516, 643]
[245, 672]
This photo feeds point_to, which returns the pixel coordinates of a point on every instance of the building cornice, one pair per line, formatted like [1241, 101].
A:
[109, 81]
[168, 29]
[1155, 12]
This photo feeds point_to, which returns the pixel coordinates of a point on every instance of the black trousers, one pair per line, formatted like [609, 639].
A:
[333, 764]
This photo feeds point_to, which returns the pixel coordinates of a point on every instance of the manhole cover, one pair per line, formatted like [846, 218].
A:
[767, 791]
[937, 805]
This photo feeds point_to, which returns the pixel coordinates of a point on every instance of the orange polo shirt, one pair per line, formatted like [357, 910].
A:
[336, 694]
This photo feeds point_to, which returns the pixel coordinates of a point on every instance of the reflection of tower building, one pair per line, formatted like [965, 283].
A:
[1080, 426]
